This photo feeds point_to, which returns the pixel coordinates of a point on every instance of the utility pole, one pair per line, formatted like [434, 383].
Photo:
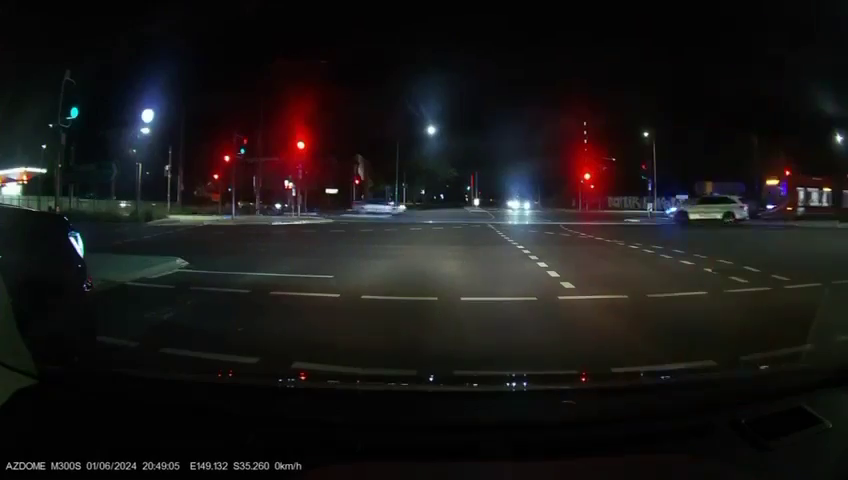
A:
[71, 185]
[404, 187]
[169, 179]
[182, 156]
[397, 167]
[138, 191]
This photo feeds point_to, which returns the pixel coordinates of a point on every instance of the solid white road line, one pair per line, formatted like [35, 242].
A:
[482, 373]
[780, 277]
[674, 294]
[726, 262]
[686, 262]
[150, 285]
[162, 274]
[836, 282]
[737, 279]
[665, 256]
[591, 297]
[257, 274]
[803, 285]
[566, 284]
[647, 251]
[777, 353]
[307, 294]
[542, 264]
[322, 367]
[553, 274]
[752, 289]
[210, 356]
[533, 257]
[219, 289]
[668, 366]
[525, 251]
[751, 269]
[678, 251]
[116, 341]
[496, 299]
[389, 297]
[699, 255]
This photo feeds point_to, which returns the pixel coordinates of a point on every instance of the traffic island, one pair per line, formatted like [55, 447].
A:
[108, 269]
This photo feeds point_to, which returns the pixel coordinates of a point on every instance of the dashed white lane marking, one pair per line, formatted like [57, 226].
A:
[533, 257]
[803, 285]
[780, 277]
[599, 238]
[150, 285]
[709, 270]
[542, 264]
[496, 299]
[777, 353]
[307, 294]
[336, 231]
[391, 230]
[675, 294]
[737, 279]
[633, 246]
[566, 284]
[665, 256]
[475, 226]
[836, 281]
[591, 297]
[116, 341]
[668, 366]
[493, 373]
[549, 233]
[162, 274]
[637, 244]
[677, 251]
[647, 251]
[553, 274]
[210, 356]
[415, 228]
[309, 231]
[699, 255]
[322, 367]
[725, 262]
[258, 274]
[519, 246]
[565, 234]
[220, 289]
[533, 231]
[456, 227]
[752, 289]
[366, 230]
[389, 297]
[686, 262]
[657, 247]
[438, 228]
[525, 251]
[751, 269]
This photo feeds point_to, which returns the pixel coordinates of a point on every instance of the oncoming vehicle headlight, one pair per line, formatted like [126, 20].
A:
[512, 204]
[76, 240]
[526, 205]
[670, 210]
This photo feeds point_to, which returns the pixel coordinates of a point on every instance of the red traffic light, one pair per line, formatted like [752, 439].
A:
[356, 180]
[245, 140]
[787, 172]
[644, 167]
[587, 176]
[215, 176]
[592, 186]
[301, 145]
[226, 158]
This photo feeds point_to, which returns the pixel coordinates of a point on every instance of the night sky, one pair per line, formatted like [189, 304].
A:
[728, 98]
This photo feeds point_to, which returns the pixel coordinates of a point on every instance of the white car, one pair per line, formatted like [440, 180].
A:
[727, 208]
[378, 207]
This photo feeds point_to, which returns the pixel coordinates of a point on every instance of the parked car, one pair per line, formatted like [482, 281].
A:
[727, 208]
[46, 281]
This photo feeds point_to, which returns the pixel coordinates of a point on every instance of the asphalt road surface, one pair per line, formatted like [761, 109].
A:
[476, 291]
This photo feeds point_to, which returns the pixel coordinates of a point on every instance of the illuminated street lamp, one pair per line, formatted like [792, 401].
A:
[431, 130]
[646, 134]
[839, 138]
[147, 115]
[145, 130]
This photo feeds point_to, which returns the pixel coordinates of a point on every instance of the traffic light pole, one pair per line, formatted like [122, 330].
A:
[233, 173]
[169, 179]
[654, 186]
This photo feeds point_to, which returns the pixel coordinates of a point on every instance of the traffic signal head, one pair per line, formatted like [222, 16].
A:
[592, 186]
[301, 145]
[587, 176]
[242, 151]
[226, 158]
[215, 176]
[74, 112]
[356, 180]
[787, 172]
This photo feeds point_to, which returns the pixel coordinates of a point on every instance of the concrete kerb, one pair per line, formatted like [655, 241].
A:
[108, 270]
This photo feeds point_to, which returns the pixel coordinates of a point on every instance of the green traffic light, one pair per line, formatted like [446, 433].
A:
[74, 112]
[242, 150]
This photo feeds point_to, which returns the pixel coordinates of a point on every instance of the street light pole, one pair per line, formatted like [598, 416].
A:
[169, 179]
[397, 167]
[233, 174]
[654, 150]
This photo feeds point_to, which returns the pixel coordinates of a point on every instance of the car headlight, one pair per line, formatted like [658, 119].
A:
[76, 240]
[671, 210]
[278, 206]
[526, 205]
[512, 204]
